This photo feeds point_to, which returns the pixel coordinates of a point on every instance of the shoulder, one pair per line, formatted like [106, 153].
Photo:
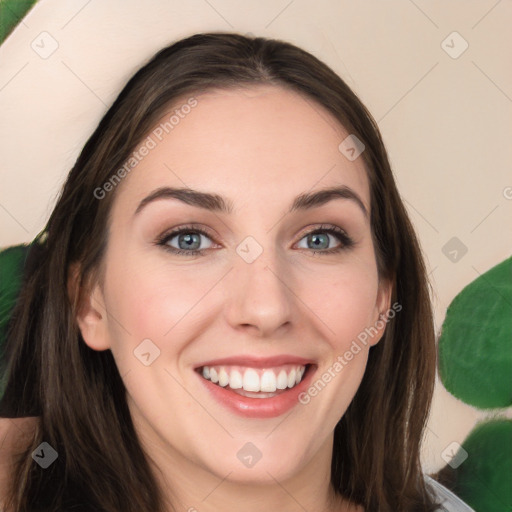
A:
[449, 501]
[15, 433]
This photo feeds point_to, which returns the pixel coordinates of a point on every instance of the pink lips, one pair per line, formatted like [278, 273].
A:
[257, 362]
[258, 407]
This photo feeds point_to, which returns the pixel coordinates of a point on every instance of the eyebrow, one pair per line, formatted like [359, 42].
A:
[217, 203]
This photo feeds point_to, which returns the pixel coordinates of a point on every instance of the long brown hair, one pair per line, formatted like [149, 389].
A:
[78, 394]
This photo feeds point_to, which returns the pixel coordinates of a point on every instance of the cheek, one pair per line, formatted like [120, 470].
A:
[149, 298]
[147, 301]
[344, 300]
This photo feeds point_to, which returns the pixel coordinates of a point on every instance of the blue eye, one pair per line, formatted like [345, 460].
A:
[188, 239]
[320, 237]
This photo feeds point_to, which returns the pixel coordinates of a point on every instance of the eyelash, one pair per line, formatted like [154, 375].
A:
[337, 232]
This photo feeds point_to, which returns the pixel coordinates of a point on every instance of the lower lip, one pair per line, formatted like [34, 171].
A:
[259, 407]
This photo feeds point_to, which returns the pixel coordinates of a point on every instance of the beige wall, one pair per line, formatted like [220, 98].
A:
[446, 118]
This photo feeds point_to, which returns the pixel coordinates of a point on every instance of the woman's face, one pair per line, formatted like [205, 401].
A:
[256, 309]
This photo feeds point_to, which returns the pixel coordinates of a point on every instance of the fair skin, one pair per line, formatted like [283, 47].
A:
[15, 435]
[259, 147]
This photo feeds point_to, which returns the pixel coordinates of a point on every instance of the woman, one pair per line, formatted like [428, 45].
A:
[185, 341]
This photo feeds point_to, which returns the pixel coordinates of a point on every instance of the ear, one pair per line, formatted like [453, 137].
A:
[382, 309]
[90, 310]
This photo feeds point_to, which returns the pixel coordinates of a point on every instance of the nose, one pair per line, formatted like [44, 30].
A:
[259, 298]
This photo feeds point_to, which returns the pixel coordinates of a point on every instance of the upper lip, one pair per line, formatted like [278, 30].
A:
[257, 362]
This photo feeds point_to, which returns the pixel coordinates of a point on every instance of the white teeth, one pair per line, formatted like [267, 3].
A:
[291, 378]
[223, 378]
[235, 380]
[282, 380]
[268, 381]
[253, 380]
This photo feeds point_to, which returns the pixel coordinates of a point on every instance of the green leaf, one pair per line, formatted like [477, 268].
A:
[483, 480]
[11, 13]
[12, 261]
[475, 347]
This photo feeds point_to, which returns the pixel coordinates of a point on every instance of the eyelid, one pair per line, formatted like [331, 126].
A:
[186, 227]
[321, 227]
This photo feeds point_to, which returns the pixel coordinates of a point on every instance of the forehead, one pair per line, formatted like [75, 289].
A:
[262, 144]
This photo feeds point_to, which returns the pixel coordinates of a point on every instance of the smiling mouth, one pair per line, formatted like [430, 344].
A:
[255, 382]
